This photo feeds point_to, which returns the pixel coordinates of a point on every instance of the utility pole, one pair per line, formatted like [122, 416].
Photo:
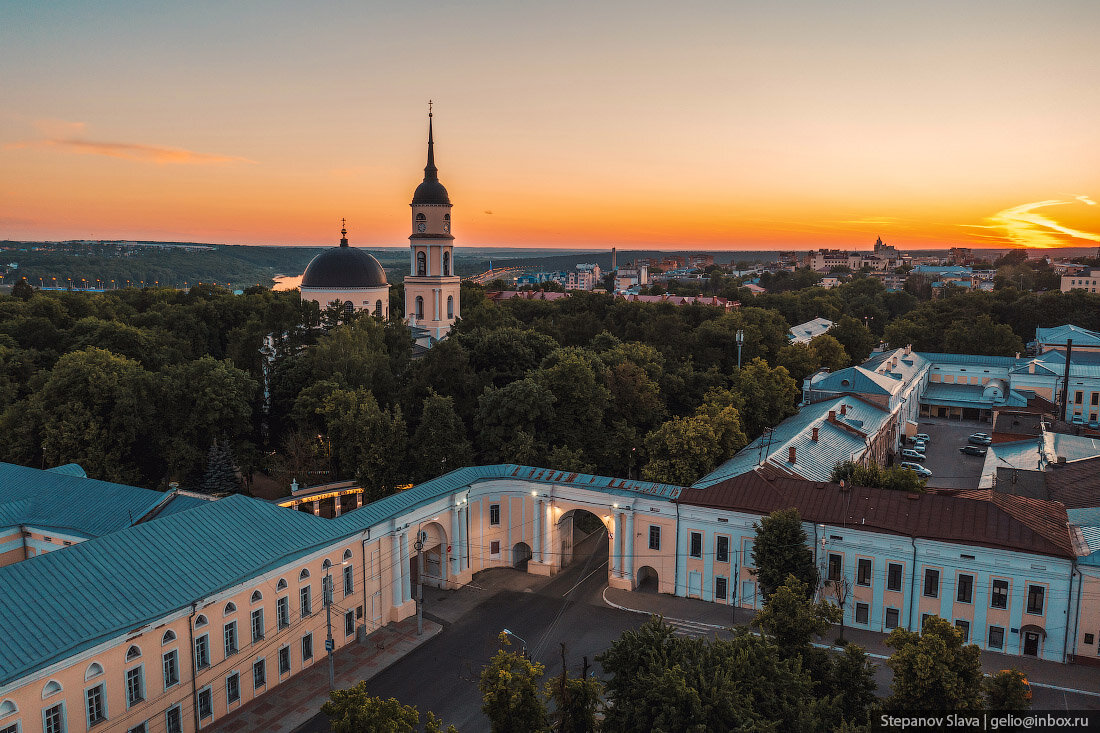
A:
[740, 341]
[419, 545]
[329, 643]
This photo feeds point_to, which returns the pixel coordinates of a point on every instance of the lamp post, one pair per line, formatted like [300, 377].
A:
[418, 546]
[740, 342]
[330, 645]
[521, 641]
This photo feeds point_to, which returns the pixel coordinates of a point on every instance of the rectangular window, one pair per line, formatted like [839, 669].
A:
[206, 703]
[1088, 639]
[171, 669]
[722, 549]
[999, 597]
[259, 673]
[349, 623]
[1035, 595]
[139, 728]
[1095, 399]
[229, 636]
[282, 612]
[863, 571]
[1078, 396]
[892, 615]
[996, 637]
[494, 514]
[202, 652]
[696, 544]
[720, 588]
[964, 629]
[233, 688]
[494, 547]
[836, 566]
[97, 712]
[135, 686]
[654, 537]
[173, 720]
[349, 580]
[966, 589]
[924, 619]
[307, 647]
[13, 728]
[932, 583]
[53, 721]
[893, 576]
[284, 660]
[863, 613]
[305, 601]
[257, 625]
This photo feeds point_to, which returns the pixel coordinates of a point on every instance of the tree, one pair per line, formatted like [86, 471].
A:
[982, 336]
[799, 360]
[1007, 690]
[894, 478]
[830, 352]
[510, 693]
[354, 710]
[22, 290]
[855, 337]
[853, 678]
[792, 620]
[220, 476]
[508, 419]
[934, 670]
[581, 397]
[440, 440]
[576, 700]
[780, 550]
[769, 396]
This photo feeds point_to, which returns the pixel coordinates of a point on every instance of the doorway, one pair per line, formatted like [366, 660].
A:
[1031, 644]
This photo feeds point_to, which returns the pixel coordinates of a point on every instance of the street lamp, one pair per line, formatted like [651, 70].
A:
[521, 641]
[330, 645]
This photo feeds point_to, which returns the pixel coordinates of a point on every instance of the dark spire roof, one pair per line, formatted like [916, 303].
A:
[344, 267]
[431, 191]
[343, 232]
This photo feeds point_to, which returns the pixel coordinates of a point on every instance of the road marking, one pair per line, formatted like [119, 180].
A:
[1065, 689]
[601, 565]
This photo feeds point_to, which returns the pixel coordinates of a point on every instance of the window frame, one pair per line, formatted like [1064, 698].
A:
[866, 609]
[208, 694]
[494, 515]
[101, 689]
[260, 665]
[234, 675]
[963, 625]
[284, 654]
[989, 637]
[838, 567]
[62, 718]
[131, 701]
[720, 581]
[655, 537]
[202, 640]
[164, 667]
[695, 545]
[886, 618]
[229, 633]
[349, 580]
[889, 576]
[924, 585]
[862, 562]
[994, 595]
[1042, 599]
[349, 623]
[959, 585]
[282, 620]
[307, 638]
[257, 634]
[305, 601]
[721, 554]
[178, 710]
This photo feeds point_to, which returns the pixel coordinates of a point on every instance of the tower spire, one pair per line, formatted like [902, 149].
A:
[431, 173]
[343, 232]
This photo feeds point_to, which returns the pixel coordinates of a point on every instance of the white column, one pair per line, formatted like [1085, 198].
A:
[455, 569]
[406, 581]
[616, 532]
[397, 585]
[628, 547]
[536, 525]
[464, 545]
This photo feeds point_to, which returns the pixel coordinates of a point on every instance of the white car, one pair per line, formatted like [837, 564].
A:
[919, 447]
[923, 437]
[917, 469]
[912, 454]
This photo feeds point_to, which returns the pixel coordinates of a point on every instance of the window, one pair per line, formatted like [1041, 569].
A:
[135, 686]
[419, 306]
[206, 703]
[305, 602]
[1035, 595]
[233, 688]
[133, 653]
[924, 619]
[171, 669]
[229, 634]
[494, 514]
[378, 307]
[1078, 396]
[97, 711]
[94, 670]
[202, 651]
[229, 608]
[1095, 399]
[654, 537]
[696, 544]
[349, 623]
[257, 596]
[964, 629]
[932, 583]
[421, 267]
[863, 571]
[447, 268]
[303, 575]
[284, 660]
[494, 547]
[168, 638]
[282, 612]
[139, 728]
[450, 306]
[349, 580]
[836, 566]
[863, 613]
[999, 597]
[892, 616]
[349, 307]
[257, 625]
[281, 585]
[307, 647]
[53, 719]
[722, 549]
[173, 720]
[259, 673]
[1089, 638]
[996, 637]
[965, 592]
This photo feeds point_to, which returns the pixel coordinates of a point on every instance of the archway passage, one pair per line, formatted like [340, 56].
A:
[521, 554]
[647, 579]
[434, 556]
[583, 537]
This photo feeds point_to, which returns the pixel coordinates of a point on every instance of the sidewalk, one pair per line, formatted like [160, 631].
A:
[715, 617]
[291, 704]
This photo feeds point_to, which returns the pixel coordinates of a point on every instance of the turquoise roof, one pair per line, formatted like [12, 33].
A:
[1088, 520]
[859, 380]
[1057, 335]
[70, 469]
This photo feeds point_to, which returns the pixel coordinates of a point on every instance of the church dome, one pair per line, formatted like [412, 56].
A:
[431, 192]
[344, 268]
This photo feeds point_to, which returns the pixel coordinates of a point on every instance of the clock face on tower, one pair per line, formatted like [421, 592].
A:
[421, 227]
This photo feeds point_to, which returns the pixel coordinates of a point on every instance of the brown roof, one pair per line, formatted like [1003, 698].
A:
[1076, 483]
[1006, 522]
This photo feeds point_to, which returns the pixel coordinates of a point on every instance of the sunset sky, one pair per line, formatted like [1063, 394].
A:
[717, 125]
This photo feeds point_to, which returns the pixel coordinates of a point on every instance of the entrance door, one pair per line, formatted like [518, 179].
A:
[695, 584]
[1031, 644]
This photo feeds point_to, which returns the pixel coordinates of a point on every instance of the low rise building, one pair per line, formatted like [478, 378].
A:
[806, 332]
[1087, 279]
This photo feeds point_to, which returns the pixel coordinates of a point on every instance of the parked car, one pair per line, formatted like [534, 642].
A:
[980, 439]
[911, 454]
[919, 447]
[917, 469]
[972, 450]
[924, 437]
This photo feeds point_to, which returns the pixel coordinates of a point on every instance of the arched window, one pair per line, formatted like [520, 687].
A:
[349, 307]
[326, 564]
[169, 637]
[421, 264]
[446, 264]
[94, 670]
[421, 217]
[52, 688]
[229, 608]
[347, 554]
[133, 653]
[450, 306]
[7, 708]
[281, 585]
[257, 596]
[419, 306]
[303, 575]
[200, 621]
[378, 308]
[446, 217]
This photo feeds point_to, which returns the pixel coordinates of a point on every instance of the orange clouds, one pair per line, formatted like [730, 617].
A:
[1021, 226]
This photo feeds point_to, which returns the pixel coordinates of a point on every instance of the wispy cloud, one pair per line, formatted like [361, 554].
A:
[1022, 226]
[68, 137]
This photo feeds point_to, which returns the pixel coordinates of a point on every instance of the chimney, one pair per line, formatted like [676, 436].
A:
[814, 434]
[613, 259]
[790, 454]
[832, 415]
[843, 409]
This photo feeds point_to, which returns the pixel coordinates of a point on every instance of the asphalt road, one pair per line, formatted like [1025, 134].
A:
[951, 469]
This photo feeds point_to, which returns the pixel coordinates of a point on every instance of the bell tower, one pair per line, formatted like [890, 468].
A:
[431, 289]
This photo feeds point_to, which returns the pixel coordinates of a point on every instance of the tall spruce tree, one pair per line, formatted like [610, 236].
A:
[780, 550]
[220, 476]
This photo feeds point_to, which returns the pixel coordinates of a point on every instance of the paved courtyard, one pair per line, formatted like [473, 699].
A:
[951, 469]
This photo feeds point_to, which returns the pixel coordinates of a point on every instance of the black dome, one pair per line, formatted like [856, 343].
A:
[344, 267]
[431, 192]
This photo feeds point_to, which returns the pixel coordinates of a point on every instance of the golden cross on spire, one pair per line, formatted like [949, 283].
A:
[429, 108]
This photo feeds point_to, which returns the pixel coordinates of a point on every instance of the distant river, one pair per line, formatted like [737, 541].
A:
[287, 282]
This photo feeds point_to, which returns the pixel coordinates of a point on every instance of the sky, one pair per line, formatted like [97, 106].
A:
[714, 125]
